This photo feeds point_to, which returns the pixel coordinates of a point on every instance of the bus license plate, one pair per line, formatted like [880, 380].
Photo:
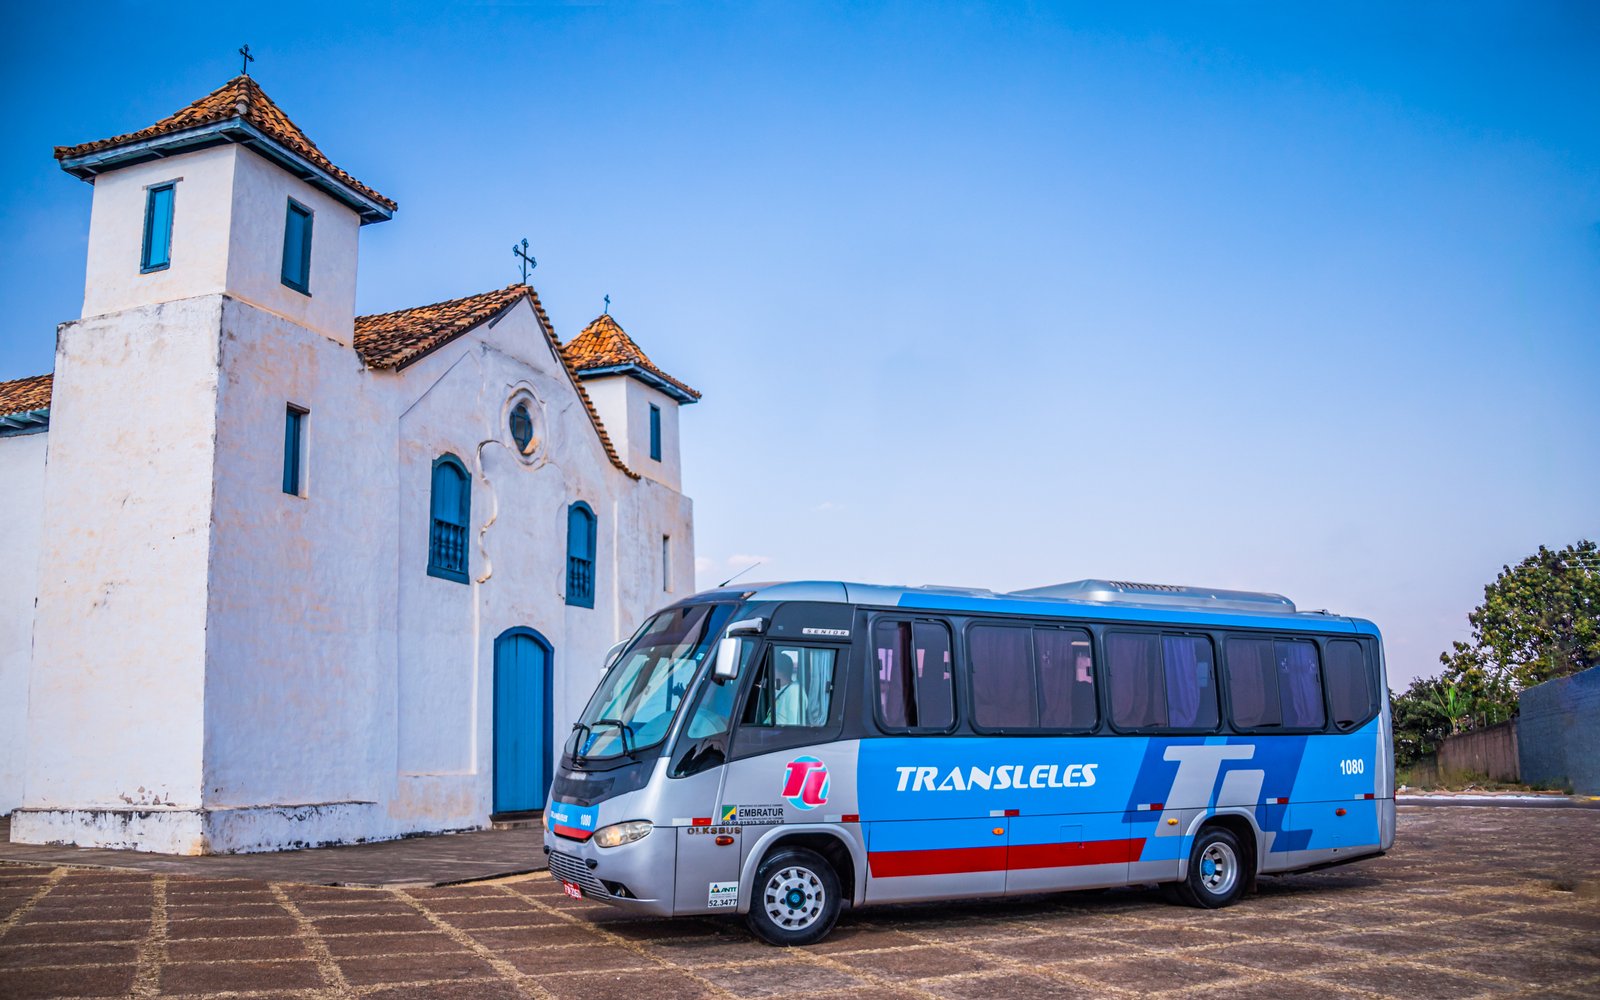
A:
[571, 889]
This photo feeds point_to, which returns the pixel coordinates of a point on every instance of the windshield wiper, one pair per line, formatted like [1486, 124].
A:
[577, 744]
[623, 728]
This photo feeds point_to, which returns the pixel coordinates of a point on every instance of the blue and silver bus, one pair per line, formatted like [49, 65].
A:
[782, 751]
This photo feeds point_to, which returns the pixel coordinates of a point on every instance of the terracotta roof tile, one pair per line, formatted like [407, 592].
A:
[240, 98]
[25, 395]
[604, 344]
[396, 339]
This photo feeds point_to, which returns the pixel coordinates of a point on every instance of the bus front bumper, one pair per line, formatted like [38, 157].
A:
[636, 877]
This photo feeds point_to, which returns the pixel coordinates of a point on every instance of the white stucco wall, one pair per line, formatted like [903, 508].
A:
[297, 700]
[261, 193]
[623, 403]
[22, 468]
[116, 693]
[229, 210]
[202, 204]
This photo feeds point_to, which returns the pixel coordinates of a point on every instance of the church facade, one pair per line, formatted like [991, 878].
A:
[278, 575]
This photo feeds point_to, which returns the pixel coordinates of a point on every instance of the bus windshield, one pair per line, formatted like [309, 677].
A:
[635, 703]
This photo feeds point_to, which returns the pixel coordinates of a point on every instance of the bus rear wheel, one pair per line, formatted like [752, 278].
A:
[1218, 871]
[796, 898]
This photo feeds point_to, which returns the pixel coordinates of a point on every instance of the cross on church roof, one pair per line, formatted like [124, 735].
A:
[244, 50]
[528, 263]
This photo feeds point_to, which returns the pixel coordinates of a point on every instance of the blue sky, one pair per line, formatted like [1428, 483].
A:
[1236, 295]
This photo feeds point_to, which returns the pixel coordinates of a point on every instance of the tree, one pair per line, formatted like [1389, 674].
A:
[1421, 720]
[1538, 621]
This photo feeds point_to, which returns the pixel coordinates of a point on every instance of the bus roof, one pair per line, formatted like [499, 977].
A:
[1105, 600]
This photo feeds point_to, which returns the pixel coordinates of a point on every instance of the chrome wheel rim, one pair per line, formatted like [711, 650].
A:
[793, 898]
[1219, 868]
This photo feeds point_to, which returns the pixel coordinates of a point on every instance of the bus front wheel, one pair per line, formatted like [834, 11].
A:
[1218, 871]
[795, 899]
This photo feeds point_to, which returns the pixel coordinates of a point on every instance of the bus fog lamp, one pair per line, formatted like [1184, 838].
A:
[618, 834]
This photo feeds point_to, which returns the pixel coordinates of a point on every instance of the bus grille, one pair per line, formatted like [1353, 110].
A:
[570, 869]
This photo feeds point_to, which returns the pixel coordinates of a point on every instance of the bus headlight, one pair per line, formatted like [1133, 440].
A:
[618, 834]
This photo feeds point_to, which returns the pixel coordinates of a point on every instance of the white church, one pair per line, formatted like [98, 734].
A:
[279, 575]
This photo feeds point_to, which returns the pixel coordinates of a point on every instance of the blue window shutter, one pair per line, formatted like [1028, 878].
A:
[293, 449]
[580, 555]
[450, 509]
[655, 432]
[156, 253]
[297, 247]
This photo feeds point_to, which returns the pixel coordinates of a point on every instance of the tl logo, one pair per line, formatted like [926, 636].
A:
[806, 783]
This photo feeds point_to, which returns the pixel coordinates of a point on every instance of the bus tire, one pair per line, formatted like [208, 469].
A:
[795, 898]
[1218, 871]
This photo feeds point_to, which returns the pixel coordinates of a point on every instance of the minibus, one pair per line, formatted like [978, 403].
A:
[782, 751]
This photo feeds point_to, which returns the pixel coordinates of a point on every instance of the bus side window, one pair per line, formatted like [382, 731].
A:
[1003, 695]
[1349, 684]
[1162, 682]
[1066, 678]
[1273, 683]
[1133, 662]
[915, 688]
[794, 688]
[1191, 682]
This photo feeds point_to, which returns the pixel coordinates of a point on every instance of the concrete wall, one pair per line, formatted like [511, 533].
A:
[229, 210]
[1559, 733]
[1491, 752]
[116, 699]
[22, 472]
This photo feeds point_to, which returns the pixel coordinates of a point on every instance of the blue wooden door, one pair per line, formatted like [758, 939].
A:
[521, 721]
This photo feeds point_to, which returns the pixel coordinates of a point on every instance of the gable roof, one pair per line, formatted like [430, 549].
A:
[238, 111]
[25, 402]
[396, 339]
[604, 348]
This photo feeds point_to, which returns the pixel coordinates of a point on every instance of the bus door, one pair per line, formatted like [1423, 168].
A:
[788, 766]
[708, 849]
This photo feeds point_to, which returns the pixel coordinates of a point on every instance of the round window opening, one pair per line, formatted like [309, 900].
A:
[522, 428]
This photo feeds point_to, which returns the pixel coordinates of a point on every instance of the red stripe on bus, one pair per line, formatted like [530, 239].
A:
[961, 860]
[947, 861]
[571, 832]
[1093, 852]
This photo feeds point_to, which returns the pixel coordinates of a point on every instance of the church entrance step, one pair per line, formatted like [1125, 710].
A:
[528, 820]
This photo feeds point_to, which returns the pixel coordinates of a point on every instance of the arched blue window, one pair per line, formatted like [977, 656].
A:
[580, 555]
[451, 506]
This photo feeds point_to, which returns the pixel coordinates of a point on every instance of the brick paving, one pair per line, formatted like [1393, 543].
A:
[1474, 902]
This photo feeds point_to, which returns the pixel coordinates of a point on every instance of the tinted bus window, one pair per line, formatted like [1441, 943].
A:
[1349, 684]
[914, 683]
[1253, 684]
[1003, 695]
[1274, 682]
[1065, 663]
[1299, 683]
[1161, 682]
[1133, 664]
[1191, 682]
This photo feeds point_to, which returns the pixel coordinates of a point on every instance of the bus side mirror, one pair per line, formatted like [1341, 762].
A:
[612, 654]
[730, 653]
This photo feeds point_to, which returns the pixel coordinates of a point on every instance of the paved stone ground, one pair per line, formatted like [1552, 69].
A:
[1475, 901]
[457, 857]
